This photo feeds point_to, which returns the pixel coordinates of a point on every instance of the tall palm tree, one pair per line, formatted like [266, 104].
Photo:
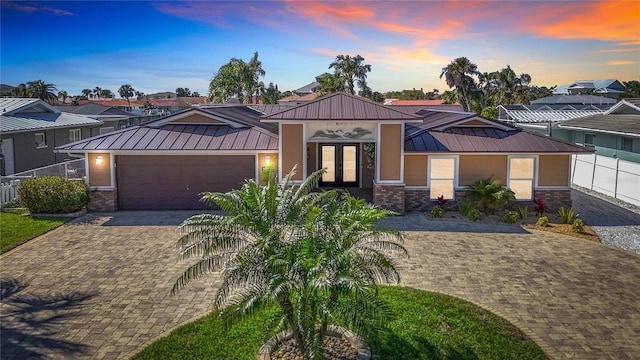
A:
[41, 90]
[459, 74]
[86, 92]
[63, 94]
[97, 91]
[106, 94]
[352, 70]
[127, 92]
[329, 84]
[314, 256]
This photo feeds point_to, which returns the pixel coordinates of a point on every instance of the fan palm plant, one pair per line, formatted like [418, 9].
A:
[316, 257]
[489, 194]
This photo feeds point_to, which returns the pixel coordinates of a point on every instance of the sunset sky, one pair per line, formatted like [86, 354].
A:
[161, 45]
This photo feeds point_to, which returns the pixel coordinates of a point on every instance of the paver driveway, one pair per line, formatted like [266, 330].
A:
[99, 287]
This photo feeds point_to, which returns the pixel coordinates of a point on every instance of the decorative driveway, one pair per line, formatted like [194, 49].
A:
[99, 287]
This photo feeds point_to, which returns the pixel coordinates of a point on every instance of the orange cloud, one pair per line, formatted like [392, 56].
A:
[620, 62]
[601, 20]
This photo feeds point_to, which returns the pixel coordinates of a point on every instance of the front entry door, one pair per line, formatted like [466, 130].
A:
[342, 164]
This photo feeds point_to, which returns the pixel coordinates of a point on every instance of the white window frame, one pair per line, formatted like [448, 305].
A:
[43, 143]
[534, 179]
[75, 135]
[455, 173]
[106, 130]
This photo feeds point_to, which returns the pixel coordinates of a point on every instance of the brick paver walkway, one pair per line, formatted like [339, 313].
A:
[99, 288]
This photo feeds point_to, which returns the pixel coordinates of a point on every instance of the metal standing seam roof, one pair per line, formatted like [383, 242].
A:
[483, 140]
[341, 107]
[43, 121]
[174, 137]
[574, 99]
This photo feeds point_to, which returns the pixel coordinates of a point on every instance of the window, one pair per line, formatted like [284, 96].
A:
[627, 144]
[442, 176]
[108, 129]
[521, 174]
[589, 140]
[75, 135]
[41, 140]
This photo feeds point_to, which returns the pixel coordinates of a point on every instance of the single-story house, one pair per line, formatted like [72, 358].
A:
[30, 129]
[416, 156]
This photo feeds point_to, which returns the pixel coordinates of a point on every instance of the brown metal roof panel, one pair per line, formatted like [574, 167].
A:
[252, 139]
[240, 141]
[168, 141]
[180, 141]
[120, 141]
[146, 139]
[195, 134]
[157, 141]
[228, 140]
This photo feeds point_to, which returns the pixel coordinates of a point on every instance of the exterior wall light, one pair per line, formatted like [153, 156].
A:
[99, 160]
[267, 160]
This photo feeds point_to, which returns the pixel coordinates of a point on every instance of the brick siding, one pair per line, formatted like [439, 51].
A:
[416, 199]
[390, 197]
[103, 200]
[554, 199]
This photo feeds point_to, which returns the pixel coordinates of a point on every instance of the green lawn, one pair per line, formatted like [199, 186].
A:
[426, 326]
[16, 229]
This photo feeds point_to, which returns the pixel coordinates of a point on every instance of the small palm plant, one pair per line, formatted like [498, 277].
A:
[316, 257]
[489, 195]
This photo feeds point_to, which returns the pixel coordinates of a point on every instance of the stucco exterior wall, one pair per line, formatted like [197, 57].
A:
[472, 168]
[99, 174]
[553, 170]
[415, 170]
[391, 143]
[292, 152]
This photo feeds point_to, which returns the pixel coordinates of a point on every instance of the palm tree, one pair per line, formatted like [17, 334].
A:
[459, 74]
[237, 79]
[97, 91]
[352, 70]
[86, 93]
[329, 84]
[63, 94]
[41, 90]
[316, 257]
[20, 91]
[139, 95]
[126, 91]
[106, 94]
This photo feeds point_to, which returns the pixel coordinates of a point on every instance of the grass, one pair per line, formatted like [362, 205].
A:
[16, 229]
[426, 325]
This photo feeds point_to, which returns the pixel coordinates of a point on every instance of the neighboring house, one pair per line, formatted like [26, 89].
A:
[113, 118]
[418, 156]
[609, 88]
[295, 99]
[615, 133]
[543, 115]
[30, 129]
[614, 169]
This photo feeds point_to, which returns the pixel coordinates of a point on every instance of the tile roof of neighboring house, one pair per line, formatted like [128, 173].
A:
[414, 109]
[341, 107]
[175, 137]
[298, 98]
[114, 102]
[622, 124]
[20, 115]
[395, 102]
[574, 99]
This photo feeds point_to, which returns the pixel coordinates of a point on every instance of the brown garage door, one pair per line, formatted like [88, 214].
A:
[152, 182]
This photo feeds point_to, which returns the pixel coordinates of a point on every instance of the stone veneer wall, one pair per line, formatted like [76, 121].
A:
[416, 199]
[389, 196]
[103, 200]
[554, 199]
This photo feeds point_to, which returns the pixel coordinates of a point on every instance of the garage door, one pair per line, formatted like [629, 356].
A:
[175, 182]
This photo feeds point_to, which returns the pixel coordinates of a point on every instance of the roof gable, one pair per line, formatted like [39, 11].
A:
[12, 106]
[341, 107]
[626, 106]
[194, 116]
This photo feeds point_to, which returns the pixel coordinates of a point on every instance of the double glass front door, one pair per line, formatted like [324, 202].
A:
[341, 162]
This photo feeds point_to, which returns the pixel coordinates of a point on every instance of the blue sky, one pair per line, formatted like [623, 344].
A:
[161, 45]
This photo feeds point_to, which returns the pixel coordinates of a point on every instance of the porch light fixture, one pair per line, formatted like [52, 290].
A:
[98, 159]
[267, 160]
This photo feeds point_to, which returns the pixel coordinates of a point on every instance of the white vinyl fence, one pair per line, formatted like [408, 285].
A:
[609, 176]
[73, 170]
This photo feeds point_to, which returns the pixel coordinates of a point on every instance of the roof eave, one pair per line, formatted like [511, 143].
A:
[598, 130]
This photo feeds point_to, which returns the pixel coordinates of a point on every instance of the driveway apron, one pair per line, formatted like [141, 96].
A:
[99, 287]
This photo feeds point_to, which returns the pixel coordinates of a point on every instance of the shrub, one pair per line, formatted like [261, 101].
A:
[540, 208]
[474, 214]
[441, 201]
[577, 226]
[566, 215]
[543, 221]
[436, 212]
[523, 212]
[489, 195]
[53, 194]
[464, 208]
[269, 173]
[510, 217]
[13, 204]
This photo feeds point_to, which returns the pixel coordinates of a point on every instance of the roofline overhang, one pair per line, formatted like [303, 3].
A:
[187, 112]
[98, 122]
[598, 130]
[301, 121]
[168, 152]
